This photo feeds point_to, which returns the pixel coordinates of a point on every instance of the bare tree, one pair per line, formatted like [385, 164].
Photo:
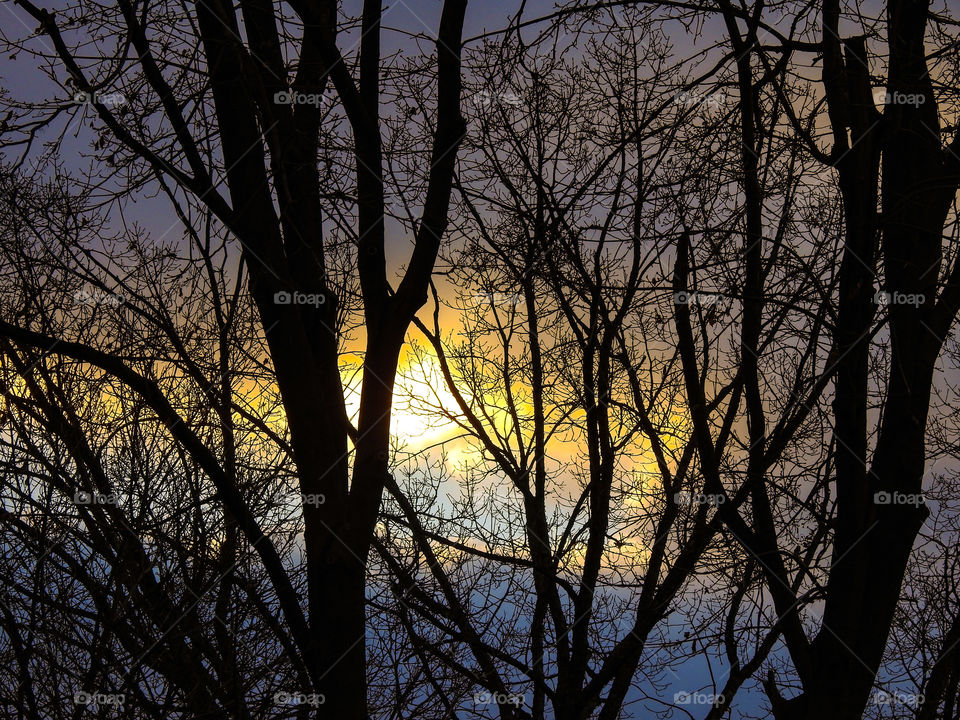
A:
[792, 501]
[236, 95]
[898, 181]
[600, 375]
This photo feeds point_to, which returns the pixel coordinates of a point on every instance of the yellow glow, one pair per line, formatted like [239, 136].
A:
[420, 401]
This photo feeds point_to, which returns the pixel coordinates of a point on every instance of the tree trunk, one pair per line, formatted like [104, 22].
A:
[338, 625]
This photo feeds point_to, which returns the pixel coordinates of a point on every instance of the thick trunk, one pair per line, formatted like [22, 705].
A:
[338, 626]
[873, 540]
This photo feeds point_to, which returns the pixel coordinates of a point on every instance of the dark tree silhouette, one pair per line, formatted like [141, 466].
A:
[694, 294]
[214, 100]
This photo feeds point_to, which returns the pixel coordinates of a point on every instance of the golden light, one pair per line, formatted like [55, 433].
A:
[422, 402]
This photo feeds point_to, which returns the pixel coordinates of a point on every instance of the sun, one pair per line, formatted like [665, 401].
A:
[423, 405]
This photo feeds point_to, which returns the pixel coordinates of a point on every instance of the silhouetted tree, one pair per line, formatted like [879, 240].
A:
[227, 109]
